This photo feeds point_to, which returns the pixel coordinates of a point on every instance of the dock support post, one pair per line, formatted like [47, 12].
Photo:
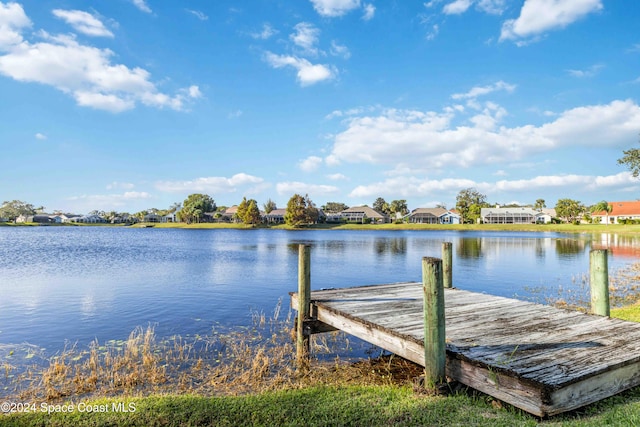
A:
[304, 294]
[434, 322]
[447, 264]
[599, 282]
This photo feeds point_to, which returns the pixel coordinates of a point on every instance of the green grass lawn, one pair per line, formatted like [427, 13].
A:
[330, 405]
[327, 406]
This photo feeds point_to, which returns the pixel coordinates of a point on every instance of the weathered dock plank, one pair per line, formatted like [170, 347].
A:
[539, 358]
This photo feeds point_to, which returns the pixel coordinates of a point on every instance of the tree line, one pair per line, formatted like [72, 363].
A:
[301, 210]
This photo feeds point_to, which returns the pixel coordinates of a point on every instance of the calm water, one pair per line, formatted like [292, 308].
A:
[76, 284]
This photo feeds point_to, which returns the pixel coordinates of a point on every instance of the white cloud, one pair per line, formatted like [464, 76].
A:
[433, 33]
[484, 90]
[12, 21]
[337, 177]
[306, 37]
[84, 72]
[339, 50]
[41, 136]
[142, 5]
[494, 7]
[108, 201]
[457, 7]
[310, 164]
[334, 8]
[434, 140]
[122, 185]
[215, 184]
[369, 12]
[539, 16]
[290, 188]
[412, 186]
[307, 74]
[407, 187]
[235, 114]
[83, 22]
[198, 14]
[589, 72]
[267, 32]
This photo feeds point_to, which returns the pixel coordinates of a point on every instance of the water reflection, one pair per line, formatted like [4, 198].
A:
[569, 247]
[80, 283]
[469, 248]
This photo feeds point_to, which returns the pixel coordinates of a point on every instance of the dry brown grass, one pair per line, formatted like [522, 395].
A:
[244, 360]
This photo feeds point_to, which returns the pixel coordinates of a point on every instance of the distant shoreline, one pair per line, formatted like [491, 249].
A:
[559, 228]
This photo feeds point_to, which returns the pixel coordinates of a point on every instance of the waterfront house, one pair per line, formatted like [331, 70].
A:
[433, 216]
[276, 216]
[513, 215]
[90, 219]
[230, 214]
[361, 214]
[620, 211]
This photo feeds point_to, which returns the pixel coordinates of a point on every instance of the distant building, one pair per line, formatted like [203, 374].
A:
[619, 211]
[276, 216]
[514, 215]
[433, 216]
[361, 213]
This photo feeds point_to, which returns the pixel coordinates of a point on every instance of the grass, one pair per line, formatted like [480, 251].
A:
[559, 228]
[248, 376]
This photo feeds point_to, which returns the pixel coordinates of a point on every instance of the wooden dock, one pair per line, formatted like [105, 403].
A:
[541, 359]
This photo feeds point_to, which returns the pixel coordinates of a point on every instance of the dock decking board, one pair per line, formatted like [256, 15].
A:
[542, 359]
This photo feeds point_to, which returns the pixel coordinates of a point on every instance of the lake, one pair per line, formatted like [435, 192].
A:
[76, 284]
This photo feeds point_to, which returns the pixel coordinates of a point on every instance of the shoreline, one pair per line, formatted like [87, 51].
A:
[541, 228]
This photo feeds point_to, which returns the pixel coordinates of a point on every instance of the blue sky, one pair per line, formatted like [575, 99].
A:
[132, 104]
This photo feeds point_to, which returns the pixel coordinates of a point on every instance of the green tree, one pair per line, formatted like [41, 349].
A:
[334, 207]
[13, 209]
[569, 209]
[269, 206]
[631, 159]
[398, 207]
[300, 211]
[539, 204]
[469, 201]
[381, 206]
[195, 206]
[602, 206]
[241, 212]
[252, 216]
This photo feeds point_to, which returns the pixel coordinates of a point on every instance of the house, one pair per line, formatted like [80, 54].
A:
[433, 216]
[513, 215]
[66, 218]
[152, 217]
[363, 214]
[620, 211]
[276, 216]
[229, 214]
[90, 219]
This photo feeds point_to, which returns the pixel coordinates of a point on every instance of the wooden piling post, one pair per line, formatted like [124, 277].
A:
[304, 294]
[434, 322]
[599, 282]
[447, 264]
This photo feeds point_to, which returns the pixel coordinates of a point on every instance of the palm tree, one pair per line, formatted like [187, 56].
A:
[603, 206]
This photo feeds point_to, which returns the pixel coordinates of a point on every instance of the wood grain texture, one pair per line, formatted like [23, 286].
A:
[539, 358]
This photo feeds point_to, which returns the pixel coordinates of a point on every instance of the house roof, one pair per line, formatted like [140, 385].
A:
[438, 212]
[370, 213]
[622, 209]
[510, 210]
[277, 212]
[231, 211]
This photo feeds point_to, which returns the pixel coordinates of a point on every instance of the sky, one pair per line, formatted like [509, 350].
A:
[128, 105]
